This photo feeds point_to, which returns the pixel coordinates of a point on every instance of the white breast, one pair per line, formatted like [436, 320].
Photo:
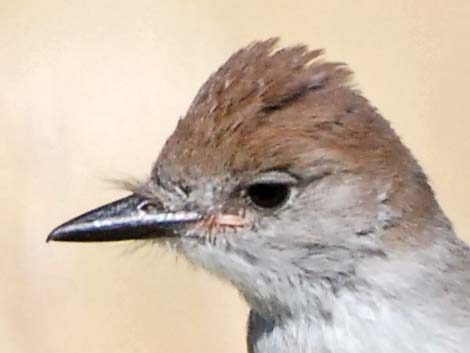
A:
[363, 327]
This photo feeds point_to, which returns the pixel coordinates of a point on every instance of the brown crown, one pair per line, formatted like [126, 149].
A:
[267, 109]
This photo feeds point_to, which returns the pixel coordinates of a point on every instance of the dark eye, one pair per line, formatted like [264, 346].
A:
[268, 195]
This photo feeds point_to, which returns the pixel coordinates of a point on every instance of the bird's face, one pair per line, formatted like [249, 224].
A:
[267, 231]
[280, 179]
[273, 208]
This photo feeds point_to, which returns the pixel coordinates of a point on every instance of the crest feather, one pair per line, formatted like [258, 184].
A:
[258, 75]
[265, 108]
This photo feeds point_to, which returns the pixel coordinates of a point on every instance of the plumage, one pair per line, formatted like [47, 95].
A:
[305, 199]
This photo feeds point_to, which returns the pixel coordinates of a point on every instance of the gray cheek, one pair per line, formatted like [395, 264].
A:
[332, 210]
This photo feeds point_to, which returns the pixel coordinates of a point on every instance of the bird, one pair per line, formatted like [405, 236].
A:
[285, 181]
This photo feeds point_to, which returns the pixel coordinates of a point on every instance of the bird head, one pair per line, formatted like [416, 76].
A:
[281, 176]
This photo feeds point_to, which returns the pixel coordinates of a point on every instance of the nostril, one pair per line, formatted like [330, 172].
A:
[186, 189]
[150, 206]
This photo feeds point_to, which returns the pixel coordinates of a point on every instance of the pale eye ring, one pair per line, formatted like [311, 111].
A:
[269, 196]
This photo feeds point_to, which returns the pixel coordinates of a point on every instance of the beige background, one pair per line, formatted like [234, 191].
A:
[89, 90]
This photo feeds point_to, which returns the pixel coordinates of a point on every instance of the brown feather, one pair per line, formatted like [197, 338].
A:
[265, 109]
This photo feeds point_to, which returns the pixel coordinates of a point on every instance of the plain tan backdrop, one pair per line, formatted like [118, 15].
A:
[89, 90]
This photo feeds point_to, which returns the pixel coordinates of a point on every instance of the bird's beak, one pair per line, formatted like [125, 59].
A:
[132, 217]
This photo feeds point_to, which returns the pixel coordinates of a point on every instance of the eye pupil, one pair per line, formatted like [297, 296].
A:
[268, 195]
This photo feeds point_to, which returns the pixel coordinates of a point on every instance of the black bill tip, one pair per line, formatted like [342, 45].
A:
[124, 219]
